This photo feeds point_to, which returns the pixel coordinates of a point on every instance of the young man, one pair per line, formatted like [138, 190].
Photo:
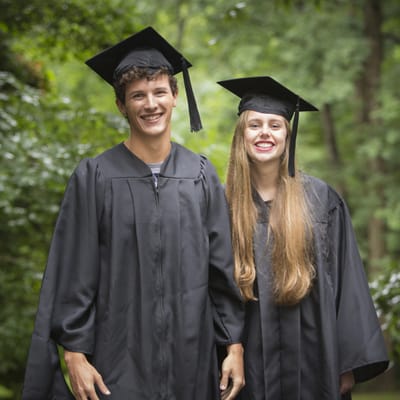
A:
[139, 283]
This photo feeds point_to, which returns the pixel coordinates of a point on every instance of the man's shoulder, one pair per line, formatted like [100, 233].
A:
[183, 151]
[185, 163]
[190, 155]
[109, 153]
[111, 163]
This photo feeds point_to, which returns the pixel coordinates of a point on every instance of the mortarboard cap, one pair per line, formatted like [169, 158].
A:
[146, 49]
[265, 95]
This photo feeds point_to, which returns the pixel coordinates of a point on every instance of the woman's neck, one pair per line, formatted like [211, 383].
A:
[265, 180]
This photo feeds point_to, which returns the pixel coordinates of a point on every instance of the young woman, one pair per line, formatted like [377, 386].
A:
[311, 328]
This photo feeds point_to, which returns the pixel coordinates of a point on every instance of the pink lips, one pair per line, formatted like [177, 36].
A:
[264, 145]
[152, 117]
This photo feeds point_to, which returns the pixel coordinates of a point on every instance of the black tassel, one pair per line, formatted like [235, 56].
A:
[195, 122]
[292, 147]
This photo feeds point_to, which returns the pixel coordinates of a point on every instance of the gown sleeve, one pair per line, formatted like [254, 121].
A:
[228, 307]
[360, 340]
[66, 312]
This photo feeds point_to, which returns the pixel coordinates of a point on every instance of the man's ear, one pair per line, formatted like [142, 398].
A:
[121, 107]
[176, 97]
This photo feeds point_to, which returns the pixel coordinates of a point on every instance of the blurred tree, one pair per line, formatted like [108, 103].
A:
[43, 134]
[386, 294]
[342, 56]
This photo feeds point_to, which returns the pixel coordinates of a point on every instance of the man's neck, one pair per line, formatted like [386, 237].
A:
[151, 150]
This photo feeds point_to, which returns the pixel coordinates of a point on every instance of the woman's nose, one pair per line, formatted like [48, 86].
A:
[265, 130]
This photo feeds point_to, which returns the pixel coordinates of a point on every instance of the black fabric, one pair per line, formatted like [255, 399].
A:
[140, 279]
[146, 48]
[142, 58]
[299, 352]
[266, 95]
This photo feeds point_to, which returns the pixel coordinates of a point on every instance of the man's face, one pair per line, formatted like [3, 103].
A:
[148, 106]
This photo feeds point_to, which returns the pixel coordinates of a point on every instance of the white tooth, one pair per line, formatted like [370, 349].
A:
[151, 117]
[264, 145]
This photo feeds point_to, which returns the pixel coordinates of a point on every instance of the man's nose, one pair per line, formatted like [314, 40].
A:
[150, 101]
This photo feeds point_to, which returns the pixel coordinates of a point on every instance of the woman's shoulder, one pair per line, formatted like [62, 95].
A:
[321, 194]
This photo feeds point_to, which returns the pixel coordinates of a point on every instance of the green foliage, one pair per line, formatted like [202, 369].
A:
[54, 111]
[42, 139]
[5, 393]
[375, 396]
[386, 294]
[26, 168]
[67, 27]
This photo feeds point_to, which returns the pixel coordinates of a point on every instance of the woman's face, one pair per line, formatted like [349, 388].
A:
[265, 137]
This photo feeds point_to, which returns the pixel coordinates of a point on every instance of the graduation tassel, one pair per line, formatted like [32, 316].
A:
[292, 146]
[195, 122]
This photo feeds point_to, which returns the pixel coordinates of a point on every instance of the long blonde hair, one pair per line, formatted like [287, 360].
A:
[290, 226]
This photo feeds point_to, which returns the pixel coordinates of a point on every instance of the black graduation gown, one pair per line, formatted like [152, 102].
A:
[140, 279]
[299, 352]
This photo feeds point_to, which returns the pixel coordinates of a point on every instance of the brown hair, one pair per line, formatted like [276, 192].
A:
[135, 73]
[290, 226]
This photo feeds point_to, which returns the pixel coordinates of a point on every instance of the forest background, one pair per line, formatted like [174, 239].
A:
[342, 56]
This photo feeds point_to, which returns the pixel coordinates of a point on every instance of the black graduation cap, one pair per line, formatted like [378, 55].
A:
[147, 49]
[266, 95]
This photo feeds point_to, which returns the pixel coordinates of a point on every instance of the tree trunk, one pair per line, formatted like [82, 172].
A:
[329, 133]
[368, 89]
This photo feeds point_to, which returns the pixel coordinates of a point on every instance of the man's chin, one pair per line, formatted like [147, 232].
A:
[155, 132]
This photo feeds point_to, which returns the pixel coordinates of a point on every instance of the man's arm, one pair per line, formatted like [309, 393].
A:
[232, 372]
[83, 376]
